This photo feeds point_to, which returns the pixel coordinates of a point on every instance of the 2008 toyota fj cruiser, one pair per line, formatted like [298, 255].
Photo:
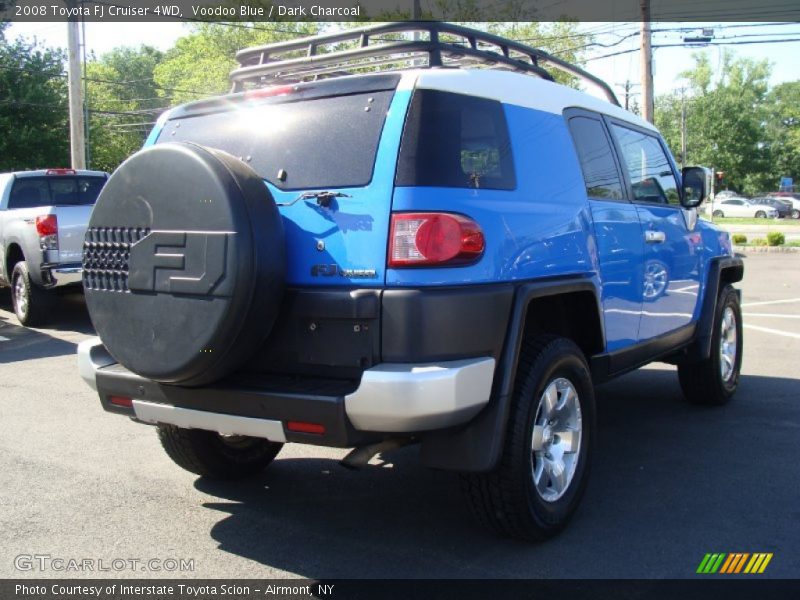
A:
[436, 254]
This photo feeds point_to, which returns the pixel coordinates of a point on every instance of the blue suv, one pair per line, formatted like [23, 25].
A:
[431, 253]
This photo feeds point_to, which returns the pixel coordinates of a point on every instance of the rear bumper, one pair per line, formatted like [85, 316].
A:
[389, 399]
[67, 275]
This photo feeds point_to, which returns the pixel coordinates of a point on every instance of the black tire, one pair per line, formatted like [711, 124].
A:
[31, 303]
[718, 214]
[761, 214]
[795, 213]
[507, 500]
[214, 456]
[703, 381]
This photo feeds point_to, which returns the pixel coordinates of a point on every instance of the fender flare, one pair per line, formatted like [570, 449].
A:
[721, 270]
[478, 446]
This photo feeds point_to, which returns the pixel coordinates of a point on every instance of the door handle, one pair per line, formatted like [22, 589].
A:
[654, 237]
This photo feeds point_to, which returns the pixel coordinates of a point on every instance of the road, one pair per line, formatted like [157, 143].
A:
[670, 481]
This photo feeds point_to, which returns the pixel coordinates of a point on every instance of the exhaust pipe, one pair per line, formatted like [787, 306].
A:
[360, 457]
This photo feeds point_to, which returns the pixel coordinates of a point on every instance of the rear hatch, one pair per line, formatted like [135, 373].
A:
[327, 151]
[68, 196]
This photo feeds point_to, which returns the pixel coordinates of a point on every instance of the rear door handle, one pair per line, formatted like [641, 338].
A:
[654, 237]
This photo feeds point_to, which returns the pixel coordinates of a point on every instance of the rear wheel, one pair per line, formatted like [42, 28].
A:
[795, 213]
[718, 213]
[545, 463]
[210, 454]
[31, 303]
[714, 380]
[761, 214]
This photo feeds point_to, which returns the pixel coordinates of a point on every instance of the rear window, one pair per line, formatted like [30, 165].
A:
[319, 143]
[452, 140]
[31, 192]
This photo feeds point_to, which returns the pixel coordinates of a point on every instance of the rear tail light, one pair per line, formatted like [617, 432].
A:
[433, 239]
[47, 228]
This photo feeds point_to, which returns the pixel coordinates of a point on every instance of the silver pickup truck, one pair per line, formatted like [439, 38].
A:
[43, 218]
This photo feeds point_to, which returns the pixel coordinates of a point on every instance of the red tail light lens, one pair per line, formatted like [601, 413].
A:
[418, 239]
[60, 172]
[46, 225]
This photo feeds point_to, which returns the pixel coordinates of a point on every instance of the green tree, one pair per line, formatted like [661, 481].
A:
[562, 39]
[726, 113]
[123, 101]
[783, 130]
[33, 106]
[199, 63]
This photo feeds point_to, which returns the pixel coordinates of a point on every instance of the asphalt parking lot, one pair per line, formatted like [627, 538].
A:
[670, 482]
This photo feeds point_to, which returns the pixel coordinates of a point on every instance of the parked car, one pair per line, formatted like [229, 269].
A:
[784, 207]
[791, 197]
[740, 207]
[444, 256]
[43, 219]
[724, 194]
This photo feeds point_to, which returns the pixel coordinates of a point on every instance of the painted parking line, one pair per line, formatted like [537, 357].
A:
[771, 315]
[766, 302]
[4, 339]
[788, 334]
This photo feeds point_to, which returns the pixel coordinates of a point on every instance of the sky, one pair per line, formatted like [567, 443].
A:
[616, 37]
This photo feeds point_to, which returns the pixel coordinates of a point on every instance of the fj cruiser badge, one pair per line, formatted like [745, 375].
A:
[333, 270]
[179, 262]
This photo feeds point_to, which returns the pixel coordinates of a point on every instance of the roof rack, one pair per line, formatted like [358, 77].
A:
[434, 45]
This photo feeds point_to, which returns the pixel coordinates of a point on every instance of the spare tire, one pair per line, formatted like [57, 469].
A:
[183, 263]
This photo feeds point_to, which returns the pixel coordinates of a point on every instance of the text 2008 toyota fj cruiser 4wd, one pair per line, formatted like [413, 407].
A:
[436, 254]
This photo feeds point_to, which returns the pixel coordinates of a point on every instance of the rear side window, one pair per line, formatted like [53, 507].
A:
[318, 143]
[31, 192]
[597, 160]
[652, 179]
[452, 140]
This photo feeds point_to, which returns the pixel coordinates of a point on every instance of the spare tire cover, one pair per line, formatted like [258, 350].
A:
[183, 263]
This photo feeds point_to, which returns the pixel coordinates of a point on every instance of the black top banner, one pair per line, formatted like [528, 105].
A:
[400, 10]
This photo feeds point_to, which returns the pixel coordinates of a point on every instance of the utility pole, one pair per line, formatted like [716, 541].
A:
[77, 141]
[647, 62]
[683, 127]
[628, 86]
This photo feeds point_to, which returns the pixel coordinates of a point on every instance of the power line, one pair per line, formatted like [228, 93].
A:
[685, 45]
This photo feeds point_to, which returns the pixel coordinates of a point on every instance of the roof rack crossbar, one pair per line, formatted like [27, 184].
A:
[307, 57]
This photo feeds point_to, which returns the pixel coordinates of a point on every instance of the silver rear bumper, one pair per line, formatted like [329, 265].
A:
[391, 398]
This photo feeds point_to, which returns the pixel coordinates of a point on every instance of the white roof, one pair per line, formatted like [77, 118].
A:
[515, 88]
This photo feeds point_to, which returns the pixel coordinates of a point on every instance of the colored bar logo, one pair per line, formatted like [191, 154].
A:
[734, 562]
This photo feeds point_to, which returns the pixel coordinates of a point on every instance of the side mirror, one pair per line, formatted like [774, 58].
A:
[696, 186]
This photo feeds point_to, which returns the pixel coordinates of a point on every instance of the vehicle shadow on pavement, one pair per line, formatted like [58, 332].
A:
[670, 482]
[23, 343]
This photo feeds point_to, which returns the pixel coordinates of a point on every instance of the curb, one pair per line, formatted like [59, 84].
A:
[762, 249]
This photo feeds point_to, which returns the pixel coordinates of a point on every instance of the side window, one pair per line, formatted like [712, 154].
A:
[650, 172]
[597, 159]
[452, 140]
